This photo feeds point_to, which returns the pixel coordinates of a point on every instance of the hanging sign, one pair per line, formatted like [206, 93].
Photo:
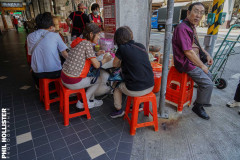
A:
[109, 18]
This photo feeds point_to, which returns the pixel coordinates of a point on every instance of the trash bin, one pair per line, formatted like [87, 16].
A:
[157, 71]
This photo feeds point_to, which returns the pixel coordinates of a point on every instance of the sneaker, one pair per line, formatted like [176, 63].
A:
[233, 104]
[80, 105]
[97, 103]
[117, 113]
[140, 107]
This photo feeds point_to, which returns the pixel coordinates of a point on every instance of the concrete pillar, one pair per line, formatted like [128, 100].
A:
[47, 5]
[134, 13]
[35, 7]
[41, 6]
[28, 13]
[228, 8]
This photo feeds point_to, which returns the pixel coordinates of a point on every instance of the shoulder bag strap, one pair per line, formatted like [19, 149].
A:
[36, 44]
[139, 48]
[195, 40]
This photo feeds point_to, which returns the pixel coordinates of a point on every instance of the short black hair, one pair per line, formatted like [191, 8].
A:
[91, 27]
[94, 6]
[123, 35]
[194, 4]
[44, 21]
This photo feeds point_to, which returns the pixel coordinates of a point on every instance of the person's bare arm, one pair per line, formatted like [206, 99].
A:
[209, 58]
[116, 62]
[96, 63]
[68, 20]
[64, 54]
[192, 56]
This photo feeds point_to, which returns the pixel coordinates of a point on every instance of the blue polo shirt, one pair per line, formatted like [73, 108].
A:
[45, 57]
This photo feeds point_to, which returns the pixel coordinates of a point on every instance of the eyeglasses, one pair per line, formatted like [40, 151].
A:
[198, 12]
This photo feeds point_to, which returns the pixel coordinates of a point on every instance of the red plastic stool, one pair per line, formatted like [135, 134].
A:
[44, 91]
[179, 89]
[64, 103]
[136, 102]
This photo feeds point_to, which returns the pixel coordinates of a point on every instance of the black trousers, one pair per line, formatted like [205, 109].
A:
[49, 75]
[237, 93]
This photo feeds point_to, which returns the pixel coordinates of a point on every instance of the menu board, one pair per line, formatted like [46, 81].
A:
[109, 18]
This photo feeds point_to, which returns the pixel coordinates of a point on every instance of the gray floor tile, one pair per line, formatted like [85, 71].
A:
[25, 146]
[76, 147]
[54, 136]
[67, 131]
[28, 155]
[33, 114]
[112, 153]
[61, 153]
[34, 120]
[101, 137]
[84, 134]
[108, 145]
[113, 131]
[96, 129]
[79, 127]
[122, 156]
[125, 147]
[22, 130]
[102, 157]
[89, 142]
[40, 141]
[51, 128]
[107, 125]
[38, 133]
[82, 155]
[58, 144]
[48, 156]
[90, 123]
[42, 150]
[101, 119]
[71, 139]
[20, 118]
[49, 122]
[14, 158]
[36, 126]
[13, 150]
[22, 124]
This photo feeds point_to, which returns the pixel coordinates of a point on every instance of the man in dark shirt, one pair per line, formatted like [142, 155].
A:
[186, 51]
[79, 20]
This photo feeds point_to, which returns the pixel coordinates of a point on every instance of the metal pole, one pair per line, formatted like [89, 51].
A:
[167, 44]
[211, 38]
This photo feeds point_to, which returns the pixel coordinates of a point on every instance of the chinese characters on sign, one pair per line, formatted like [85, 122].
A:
[6, 4]
[109, 18]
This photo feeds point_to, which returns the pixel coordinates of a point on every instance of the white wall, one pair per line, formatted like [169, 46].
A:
[228, 8]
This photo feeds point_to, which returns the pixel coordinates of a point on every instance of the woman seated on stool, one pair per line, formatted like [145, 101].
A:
[77, 65]
[136, 69]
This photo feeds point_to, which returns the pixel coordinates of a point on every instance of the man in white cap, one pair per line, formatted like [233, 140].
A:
[79, 20]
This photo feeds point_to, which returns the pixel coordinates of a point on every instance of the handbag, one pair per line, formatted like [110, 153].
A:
[202, 55]
[93, 72]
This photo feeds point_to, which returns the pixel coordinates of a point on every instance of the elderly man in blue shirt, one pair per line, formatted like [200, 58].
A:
[44, 45]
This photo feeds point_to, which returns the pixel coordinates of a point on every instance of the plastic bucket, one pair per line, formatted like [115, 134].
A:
[157, 71]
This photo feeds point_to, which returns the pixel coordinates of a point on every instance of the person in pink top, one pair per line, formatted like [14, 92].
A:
[190, 57]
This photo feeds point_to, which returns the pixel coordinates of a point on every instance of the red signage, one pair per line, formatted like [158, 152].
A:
[109, 18]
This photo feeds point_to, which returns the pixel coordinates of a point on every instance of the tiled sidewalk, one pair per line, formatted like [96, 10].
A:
[39, 134]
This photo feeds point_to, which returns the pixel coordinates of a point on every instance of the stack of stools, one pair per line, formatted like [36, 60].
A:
[64, 103]
[146, 99]
[179, 89]
[44, 91]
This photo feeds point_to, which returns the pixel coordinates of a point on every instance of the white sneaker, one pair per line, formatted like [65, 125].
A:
[233, 104]
[94, 103]
[98, 103]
